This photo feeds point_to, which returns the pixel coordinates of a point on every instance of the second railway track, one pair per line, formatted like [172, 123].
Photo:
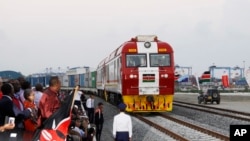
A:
[180, 130]
[214, 110]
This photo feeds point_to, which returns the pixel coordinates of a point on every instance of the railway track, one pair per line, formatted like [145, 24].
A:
[195, 127]
[180, 130]
[214, 110]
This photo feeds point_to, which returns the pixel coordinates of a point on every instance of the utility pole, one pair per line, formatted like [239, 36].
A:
[243, 71]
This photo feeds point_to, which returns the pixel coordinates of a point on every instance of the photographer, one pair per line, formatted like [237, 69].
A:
[7, 126]
[9, 109]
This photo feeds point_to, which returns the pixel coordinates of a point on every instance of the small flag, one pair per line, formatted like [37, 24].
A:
[148, 78]
[205, 77]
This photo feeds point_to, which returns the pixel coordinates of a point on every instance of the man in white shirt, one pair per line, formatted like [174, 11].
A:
[122, 125]
[90, 103]
[78, 98]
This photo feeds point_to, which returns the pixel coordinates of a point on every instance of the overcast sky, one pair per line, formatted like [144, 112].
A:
[35, 35]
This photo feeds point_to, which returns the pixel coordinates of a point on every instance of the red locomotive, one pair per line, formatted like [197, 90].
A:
[140, 73]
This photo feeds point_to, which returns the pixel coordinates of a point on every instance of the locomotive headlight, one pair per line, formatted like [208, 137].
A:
[147, 44]
[132, 76]
[164, 75]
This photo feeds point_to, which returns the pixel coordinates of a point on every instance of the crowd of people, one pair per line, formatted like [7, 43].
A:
[86, 124]
[30, 108]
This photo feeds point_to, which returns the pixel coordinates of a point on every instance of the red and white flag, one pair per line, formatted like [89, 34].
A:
[55, 128]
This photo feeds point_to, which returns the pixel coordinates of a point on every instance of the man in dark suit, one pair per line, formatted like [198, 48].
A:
[8, 109]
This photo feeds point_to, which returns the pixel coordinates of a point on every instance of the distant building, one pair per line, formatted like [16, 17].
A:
[7, 75]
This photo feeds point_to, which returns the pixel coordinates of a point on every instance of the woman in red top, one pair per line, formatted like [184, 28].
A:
[30, 124]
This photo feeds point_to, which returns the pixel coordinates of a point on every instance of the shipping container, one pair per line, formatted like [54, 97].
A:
[92, 80]
[34, 80]
[28, 78]
[73, 80]
[47, 78]
[82, 80]
[41, 80]
[64, 80]
[86, 80]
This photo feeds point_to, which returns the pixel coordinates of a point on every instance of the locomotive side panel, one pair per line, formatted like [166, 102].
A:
[111, 79]
[99, 79]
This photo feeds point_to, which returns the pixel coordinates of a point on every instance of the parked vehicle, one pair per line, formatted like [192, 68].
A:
[210, 95]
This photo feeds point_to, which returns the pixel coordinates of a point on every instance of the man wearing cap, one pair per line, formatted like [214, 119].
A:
[122, 125]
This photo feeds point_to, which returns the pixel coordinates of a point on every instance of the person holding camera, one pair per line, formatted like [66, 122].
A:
[7, 126]
[9, 109]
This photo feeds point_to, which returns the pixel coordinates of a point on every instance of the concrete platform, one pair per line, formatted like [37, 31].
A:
[234, 101]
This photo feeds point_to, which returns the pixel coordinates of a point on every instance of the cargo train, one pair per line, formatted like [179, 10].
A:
[82, 76]
[140, 73]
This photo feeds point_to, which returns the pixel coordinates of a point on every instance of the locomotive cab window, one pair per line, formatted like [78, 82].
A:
[157, 60]
[136, 60]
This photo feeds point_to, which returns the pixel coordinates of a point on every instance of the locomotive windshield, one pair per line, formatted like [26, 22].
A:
[136, 60]
[157, 60]
[140, 60]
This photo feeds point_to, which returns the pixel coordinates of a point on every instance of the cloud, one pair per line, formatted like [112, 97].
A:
[62, 33]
